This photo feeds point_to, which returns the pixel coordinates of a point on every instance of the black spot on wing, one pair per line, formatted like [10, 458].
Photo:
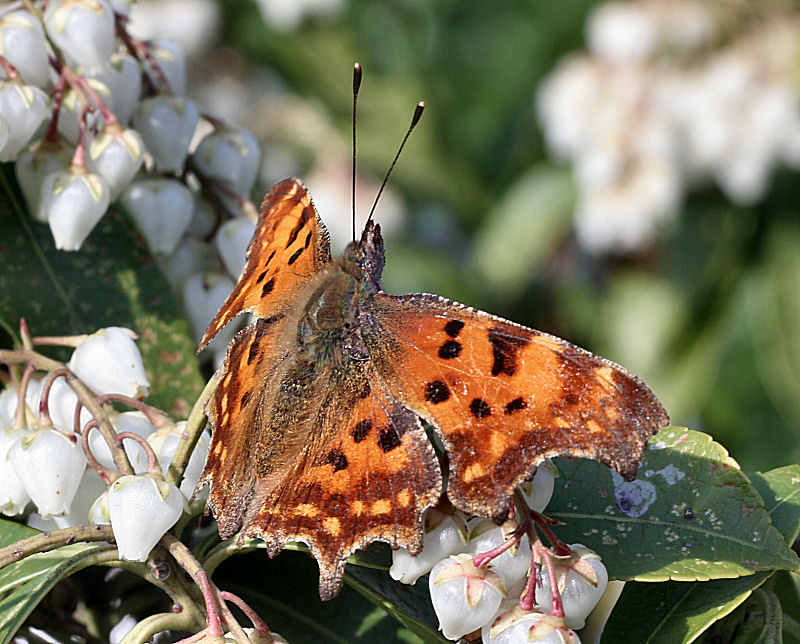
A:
[261, 277]
[513, 406]
[453, 328]
[388, 439]
[299, 226]
[480, 408]
[505, 351]
[337, 458]
[268, 286]
[295, 255]
[361, 430]
[449, 350]
[245, 398]
[436, 392]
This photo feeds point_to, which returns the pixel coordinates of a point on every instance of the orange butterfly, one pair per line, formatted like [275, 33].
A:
[317, 432]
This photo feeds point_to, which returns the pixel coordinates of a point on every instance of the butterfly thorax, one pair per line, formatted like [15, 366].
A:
[329, 328]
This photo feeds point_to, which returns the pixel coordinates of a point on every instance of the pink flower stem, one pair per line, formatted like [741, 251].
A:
[262, 630]
[141, 51]
[559, 547]
[79, 158]
[512, 540]
[44, 403]
[152, 460]
[58, 100]
[154, 415]
[107, 475]
[25, 334]
[557, 607]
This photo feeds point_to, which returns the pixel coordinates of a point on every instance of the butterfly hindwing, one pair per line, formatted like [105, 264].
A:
[290, 245]
[503, 397]
[365, 472]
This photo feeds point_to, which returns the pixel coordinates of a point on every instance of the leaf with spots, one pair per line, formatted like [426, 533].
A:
[690, 515]
[679, 612]
[317, 432]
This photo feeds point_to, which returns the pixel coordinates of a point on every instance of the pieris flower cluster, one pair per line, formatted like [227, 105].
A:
[63, 467]
[670, 95]
[91, 115]
[489, 578]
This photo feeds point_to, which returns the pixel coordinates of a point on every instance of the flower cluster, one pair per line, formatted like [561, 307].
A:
[669, 95]
[55, 454]
[502, 581]
[91, 115]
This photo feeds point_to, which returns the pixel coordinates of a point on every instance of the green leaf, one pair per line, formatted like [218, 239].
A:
[25, 583]
[111, 281]
[690, 515]
[681, 612]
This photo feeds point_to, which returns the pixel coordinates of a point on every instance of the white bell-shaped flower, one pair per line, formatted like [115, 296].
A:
[513, 564]
[22, 43]
[13, 497]
[9, 401]
[167, 124]
[50, 466]
[36, 162]
[83, 30]
[165, 443]
[231, 240]
[142, 509]
[123, 78]
[91, 487]
[24, 108]
[109, 361]
[172, 61]
[463, 596]
[128, 421]
[516, 626]
[538, 492]
[161, 208]
[230, 156]
[116, 155]
[582, 583]
[445, 534]
[72, 201]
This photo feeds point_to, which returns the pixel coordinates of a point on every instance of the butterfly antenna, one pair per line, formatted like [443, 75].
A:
[356, 86]
[414, 120]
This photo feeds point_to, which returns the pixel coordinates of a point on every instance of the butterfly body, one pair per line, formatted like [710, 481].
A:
[317, 419]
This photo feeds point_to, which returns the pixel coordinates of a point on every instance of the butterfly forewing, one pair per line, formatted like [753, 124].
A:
[289, 247]
[503, 397]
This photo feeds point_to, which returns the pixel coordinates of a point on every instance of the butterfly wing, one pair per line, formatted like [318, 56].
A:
[503, 397]
[290, 245]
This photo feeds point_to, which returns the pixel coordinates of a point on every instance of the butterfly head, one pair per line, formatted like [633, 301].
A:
[364, 259]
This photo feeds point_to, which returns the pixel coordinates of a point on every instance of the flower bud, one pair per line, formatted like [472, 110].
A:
[582, 580]
[463, 596]
[22, 43]
[229, 156]
[161, 208]
[445, 535]
[513, 564]
[83, 30]
[13, 496]
[123, 78]
[538, 492]
[167, 124]
[172, 61]
[34, 164]
[50, 466]
[23, 108]
[72, 201]
[141, 510]
[116, 155]
[109, 361]
[517, 626]
[165, 443]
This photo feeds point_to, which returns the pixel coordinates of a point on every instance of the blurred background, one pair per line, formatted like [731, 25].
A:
[621, 174]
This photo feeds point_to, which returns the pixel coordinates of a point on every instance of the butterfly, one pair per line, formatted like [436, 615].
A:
[318, 432]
